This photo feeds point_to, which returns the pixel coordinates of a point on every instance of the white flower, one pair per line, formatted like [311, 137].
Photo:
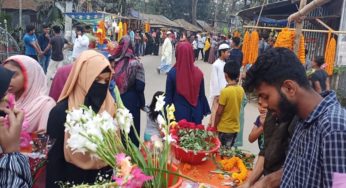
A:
[169, 138]
[160, 103]
[82, 123]
[124, 119]
[161, 120]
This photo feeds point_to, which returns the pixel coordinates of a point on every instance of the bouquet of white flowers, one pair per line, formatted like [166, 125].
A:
[84, 126]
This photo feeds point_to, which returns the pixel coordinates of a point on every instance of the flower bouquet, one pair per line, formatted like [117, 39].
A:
[107, 139]
[194, 143]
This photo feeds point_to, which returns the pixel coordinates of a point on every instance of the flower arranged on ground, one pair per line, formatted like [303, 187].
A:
[128, 175]
[82, 124]
[193, 137]
[235, 162]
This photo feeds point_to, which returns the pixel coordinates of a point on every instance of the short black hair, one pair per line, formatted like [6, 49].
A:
[319, 60]
[80, 28]
[236, 41]
[29, 28]
[275, 66]
[232, 69]
[87, 27]
[56, 29]
[44, 26]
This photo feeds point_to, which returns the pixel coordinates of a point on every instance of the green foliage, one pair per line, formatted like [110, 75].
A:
[195, 140]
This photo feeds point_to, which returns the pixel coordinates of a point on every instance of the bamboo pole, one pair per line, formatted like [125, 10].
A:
[299, 27]
[304, 30]
[325, 25]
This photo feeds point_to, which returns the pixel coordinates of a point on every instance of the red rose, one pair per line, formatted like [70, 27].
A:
[191, 125]
[200, 127]
[212, 129]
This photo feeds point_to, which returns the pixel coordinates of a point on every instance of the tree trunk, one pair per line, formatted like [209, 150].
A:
[194, 11]
[215, 13]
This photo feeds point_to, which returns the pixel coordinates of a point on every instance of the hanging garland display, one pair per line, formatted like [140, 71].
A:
[245, 48]
[253, 48]
[285, 39]
[329, 55]
[301, 50]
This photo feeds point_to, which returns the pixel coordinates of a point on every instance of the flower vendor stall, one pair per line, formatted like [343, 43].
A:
[163, 162]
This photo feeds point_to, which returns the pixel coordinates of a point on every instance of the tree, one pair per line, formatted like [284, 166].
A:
[194, 11]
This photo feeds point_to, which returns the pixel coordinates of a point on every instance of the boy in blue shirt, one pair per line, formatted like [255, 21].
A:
[32, 49]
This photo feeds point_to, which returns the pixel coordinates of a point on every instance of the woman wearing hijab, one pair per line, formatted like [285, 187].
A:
[130, 79]
[30, 89]
[185, 87]
[149, 49]
[59, 81]
[212, 56]
[14, 166]
[87, 84]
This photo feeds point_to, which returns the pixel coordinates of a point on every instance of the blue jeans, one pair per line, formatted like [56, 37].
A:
[44, 62]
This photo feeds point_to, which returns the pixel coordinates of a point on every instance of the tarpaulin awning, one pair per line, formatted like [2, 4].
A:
[90, 18]
[269, 21]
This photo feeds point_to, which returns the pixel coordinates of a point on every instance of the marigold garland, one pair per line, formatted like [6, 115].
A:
[229, 164]
[301, 50]
[253, 48]
[245, 48]
[285, 39]
[330, 56]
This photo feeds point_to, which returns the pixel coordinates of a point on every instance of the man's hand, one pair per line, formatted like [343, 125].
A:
[9, 136]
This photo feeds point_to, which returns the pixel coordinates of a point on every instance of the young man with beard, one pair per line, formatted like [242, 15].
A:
[317, 151]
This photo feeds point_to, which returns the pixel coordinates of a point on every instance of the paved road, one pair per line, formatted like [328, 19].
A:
[156, 82]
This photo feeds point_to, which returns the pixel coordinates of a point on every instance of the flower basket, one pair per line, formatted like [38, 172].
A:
[191, 157]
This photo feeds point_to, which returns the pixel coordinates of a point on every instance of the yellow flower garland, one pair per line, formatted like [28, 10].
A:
[301, 50]
[228, 164]
[253, 48]
[245, 48]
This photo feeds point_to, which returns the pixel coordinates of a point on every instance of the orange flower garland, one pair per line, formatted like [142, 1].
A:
[301, 50]
[124, 29]
[245, 48]
[229, 164]
[253, 48]
[330, 56]
[285, 39]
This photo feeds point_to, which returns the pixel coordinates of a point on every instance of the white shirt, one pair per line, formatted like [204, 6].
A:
[201, 42]
[80, 44]
[217, 80]
[167, 51]
[194, 45]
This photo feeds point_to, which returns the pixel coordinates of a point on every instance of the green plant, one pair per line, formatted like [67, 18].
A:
[339, 70]
[195, 139]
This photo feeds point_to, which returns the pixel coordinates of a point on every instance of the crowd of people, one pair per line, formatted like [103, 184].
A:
[301, 127]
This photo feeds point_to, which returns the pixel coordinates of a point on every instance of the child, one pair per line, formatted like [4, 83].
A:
[257, 130]
[152, 127]
[227, 117]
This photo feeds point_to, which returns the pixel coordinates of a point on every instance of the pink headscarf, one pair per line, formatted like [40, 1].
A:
[34, 100]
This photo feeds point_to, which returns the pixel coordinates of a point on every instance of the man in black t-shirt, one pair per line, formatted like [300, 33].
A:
[272, 157]
[319, 78]
[57, 44]
[236, 54]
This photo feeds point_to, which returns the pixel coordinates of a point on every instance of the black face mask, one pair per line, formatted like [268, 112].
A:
[96, 96]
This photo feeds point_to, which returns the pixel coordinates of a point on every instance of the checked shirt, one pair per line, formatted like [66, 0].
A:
[318, 147]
